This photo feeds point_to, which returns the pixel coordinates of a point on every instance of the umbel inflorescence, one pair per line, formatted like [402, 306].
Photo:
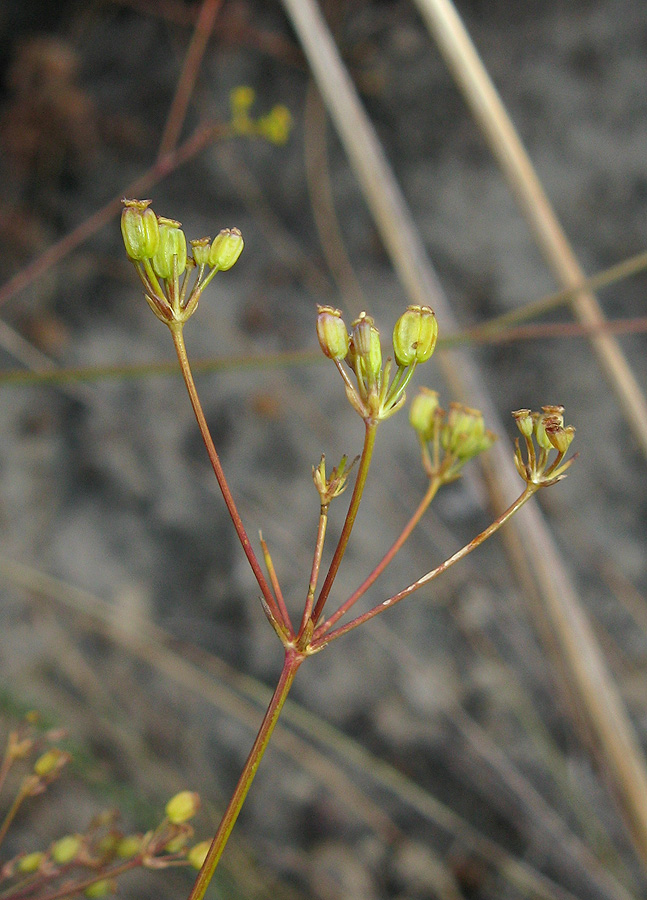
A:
[89, 862]
[158, 249]
[174, 280]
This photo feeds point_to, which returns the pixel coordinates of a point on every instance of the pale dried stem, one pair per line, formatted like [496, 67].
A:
[488, 110]
[588, 675]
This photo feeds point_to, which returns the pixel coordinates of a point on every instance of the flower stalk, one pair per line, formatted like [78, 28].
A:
[173, 283]
[291, 663]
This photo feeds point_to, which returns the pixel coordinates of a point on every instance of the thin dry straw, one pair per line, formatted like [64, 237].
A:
[462, 58]
[588, 675]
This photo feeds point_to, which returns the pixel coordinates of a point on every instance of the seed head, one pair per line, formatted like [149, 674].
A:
[182, 806]
[172, 245]
[198, 853]
[226, 248]
[415, 335]
[200, 248]
[66, 849]
[332, 333]
[139, 229]
[365, 351]
[423, 413]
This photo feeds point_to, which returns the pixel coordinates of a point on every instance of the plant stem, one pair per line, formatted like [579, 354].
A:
[8, 759]
[178, 341]
[430, 493]
[186, 83]
[293, 660]
[20, 797]
[364, 464]
[70, 889]
[530, 490]
[276, 587]
[314, 572]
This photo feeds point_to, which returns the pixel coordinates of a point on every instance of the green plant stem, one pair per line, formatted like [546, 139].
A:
[314, 572]
[293, 660]
[69, 890]
[321, 642]
[276, 587]
[532, 310]
[176, 330]
[20, 797]
[7, 760]
[432, 490]
[360, 482]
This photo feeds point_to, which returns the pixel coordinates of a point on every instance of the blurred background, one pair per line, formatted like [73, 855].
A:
[438, 752]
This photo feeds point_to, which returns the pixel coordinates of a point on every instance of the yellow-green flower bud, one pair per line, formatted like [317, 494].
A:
[464, 435]
[129, 846]
[172, 244]
[275, 127]
[422, 414]
[50, 761]
[139, 229]
[332, 332]
[200, 250]
[198, 853]
[366, 349]
[226, 248]
[241, 98]
[100, 889]
[415, 335]
[30, 863]
[330, 487]
[66, 849]
[182, 807]
[523, 418]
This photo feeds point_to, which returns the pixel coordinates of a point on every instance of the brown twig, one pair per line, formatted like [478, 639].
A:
[186, 83]
[203, 136]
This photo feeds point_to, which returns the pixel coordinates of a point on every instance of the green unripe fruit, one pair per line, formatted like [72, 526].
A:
[332, 333]
[129, 846]
[422, 414]
[465, 435]
[200, 250]
[100, 889]
[30, 863]
[523, 418]
[226, 248]
[415, 335]
[139, 229]
[49, 762]
[172, 244]
[366, 350]
[182, 807]
[65, 850]
[198, 854]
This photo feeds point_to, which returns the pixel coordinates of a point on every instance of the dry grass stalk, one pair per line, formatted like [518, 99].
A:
[589, 677]
[488, 110]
